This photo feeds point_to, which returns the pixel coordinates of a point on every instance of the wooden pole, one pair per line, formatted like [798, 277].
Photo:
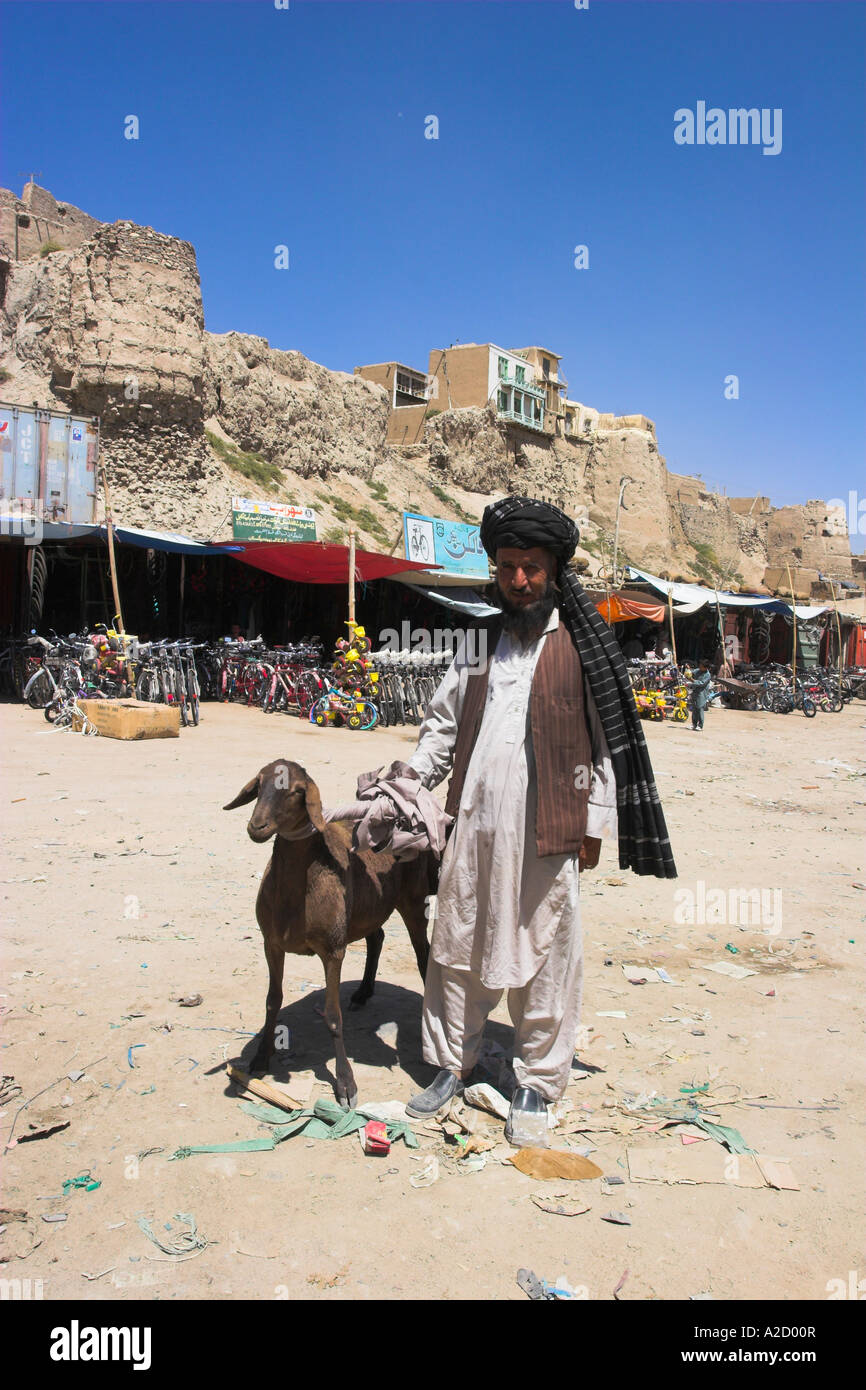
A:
[351, 571]
[109, 524]
[838, 633]
[794, 616]
[671, 622]
[721, 625]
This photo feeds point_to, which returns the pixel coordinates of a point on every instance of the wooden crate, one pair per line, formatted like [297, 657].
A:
[132, 719]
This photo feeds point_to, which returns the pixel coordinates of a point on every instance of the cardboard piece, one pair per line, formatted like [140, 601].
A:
[554, 1163]
[131, 719]
[727, 967]
[777, 1172]
[707, 1163]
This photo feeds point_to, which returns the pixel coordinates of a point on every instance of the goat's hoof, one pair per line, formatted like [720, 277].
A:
[348, 1102]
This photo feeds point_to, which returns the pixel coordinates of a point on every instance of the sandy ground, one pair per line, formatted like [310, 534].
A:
[125, 884]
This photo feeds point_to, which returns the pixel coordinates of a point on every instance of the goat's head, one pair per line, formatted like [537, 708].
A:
[287, 800]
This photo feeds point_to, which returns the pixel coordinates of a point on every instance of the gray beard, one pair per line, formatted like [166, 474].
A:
[526, 623]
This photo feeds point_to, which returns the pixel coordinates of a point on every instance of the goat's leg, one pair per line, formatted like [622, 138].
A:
[368, 984]
[276, 958]
[346, 1090]
[414, 915]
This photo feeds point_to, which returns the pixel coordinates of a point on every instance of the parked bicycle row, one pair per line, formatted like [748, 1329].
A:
[356, 686]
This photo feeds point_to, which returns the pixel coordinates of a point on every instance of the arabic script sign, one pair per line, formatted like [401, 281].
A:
[454, 545]
[271, 521]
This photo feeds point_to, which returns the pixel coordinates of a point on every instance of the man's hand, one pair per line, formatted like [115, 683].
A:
[589, 852]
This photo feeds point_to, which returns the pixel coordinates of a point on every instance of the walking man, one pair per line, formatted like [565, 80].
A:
[701, 695]
[547, 758]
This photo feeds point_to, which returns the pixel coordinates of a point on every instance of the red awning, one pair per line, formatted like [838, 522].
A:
[314, 562]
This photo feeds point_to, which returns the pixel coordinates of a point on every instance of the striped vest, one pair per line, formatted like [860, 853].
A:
[560, 740]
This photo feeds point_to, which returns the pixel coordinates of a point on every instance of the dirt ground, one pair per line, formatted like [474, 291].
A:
[125, 884]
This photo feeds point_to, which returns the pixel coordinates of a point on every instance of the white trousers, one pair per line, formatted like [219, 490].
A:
[545, 1013]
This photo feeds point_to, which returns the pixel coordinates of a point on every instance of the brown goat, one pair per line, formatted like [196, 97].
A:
[318, 894]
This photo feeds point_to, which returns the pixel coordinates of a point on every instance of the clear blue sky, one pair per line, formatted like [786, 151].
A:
[260, 127]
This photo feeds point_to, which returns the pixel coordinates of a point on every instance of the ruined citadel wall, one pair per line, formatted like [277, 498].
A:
[113, 326]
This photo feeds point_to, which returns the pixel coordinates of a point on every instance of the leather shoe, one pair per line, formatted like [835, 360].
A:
[437, 1096]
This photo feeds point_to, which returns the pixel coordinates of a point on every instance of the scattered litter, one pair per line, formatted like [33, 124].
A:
[85, 1180]
[702, 1297]
[53, 1217]
[771, 1105]
[619, 1286]
[376, 1139]
[185, 1242]
[777, 1173]
[540, 1291]
[617, 1218]
[554, 1163]
[130, 1050]
[486, 1097]
[723, 1134]
[238, 1146]
[263, 1089]
[531, 1285]
[645, 975]
[42, 1127]
[472, 1163]
[378, 1110]
[10, 1143]
[611, 1013]
[428, 1174]
[559, 1203]
[666, 979]
[727, 967]
[91, 1277]
[734, 950]
[703, 1163]
[187, 1001]
[9, 1215]
[74, 1075]
[326, 1120]
[474, 1144]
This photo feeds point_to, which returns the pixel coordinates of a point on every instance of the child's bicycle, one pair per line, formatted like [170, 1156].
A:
[340, 707]
[650, 704]
[676, 703]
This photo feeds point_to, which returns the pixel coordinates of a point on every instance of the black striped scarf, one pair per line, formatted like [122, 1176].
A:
[644, 845]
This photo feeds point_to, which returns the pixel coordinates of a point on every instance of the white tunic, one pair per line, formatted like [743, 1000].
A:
[499, 905]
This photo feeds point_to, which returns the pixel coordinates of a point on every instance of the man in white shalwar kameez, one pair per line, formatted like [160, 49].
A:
[506, 918]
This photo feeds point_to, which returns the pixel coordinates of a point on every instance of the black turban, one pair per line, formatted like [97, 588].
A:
[524, 522]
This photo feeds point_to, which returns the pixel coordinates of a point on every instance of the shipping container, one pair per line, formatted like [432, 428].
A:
[48, 464]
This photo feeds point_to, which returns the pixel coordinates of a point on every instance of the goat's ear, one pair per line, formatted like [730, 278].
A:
[314, 804]
[245, 795]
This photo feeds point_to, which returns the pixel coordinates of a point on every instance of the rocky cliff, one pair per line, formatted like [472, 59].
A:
[107, 319]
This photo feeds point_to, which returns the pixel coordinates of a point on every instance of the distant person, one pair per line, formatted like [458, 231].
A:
[633, 649]
[700, 696]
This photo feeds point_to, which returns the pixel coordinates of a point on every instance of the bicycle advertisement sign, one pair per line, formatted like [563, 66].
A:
[454, 545]
[271, 521]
